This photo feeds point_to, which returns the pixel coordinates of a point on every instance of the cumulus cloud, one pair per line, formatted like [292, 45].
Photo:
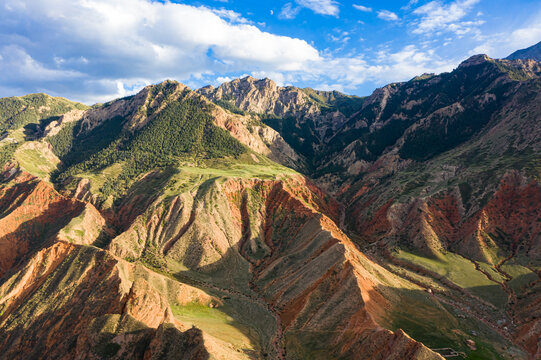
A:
[232, 16]
[96, 50]
[387, 15]
[437, 16]
[133, 41]
[19, 65]
[348, 73]
[362, 8]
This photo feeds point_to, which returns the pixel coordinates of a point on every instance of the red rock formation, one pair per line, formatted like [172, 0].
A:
[31, 213]
[509, 225]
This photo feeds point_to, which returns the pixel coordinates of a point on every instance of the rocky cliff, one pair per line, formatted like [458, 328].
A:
[306, 118]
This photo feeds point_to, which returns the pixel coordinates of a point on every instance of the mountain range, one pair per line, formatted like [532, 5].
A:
[255, 221]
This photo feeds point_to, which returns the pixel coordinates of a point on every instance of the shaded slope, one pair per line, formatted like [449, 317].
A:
[306, 118]
[442, 238]
[424, 118]
[453, 195]
[72, 300]
[533, 52]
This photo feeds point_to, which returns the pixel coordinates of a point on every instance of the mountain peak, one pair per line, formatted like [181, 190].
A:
[259, 83]
[474, 60]
[533, 52]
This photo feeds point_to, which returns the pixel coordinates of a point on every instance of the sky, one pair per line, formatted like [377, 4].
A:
[97, 50]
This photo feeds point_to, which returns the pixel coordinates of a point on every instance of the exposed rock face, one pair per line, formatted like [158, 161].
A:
[306, 118]
[31, 212]
[56, 125]
[478, 197]
[71, 302]
[85, 303]
[261, 96]
[308, 272]
[258, 137]
[440, 222]
[423, 118]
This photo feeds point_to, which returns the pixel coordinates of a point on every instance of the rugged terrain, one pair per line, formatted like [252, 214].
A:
[255, 221]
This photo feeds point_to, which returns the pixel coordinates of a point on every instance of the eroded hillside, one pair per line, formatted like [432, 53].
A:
[177, 224]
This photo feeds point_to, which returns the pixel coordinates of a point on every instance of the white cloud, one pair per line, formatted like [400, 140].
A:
[389, 67]
[95, 50]
[503, 44]
[16, 64]
[410, 4]
[323, 7]
[231, 16]
[98, 43]
[436, 17]
[362, 8]
[387, 15]
[341, 37]
[289, 11]
[330, 87]
[279, 78]
[525, 37]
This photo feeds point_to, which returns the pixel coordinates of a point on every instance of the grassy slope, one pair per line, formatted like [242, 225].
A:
[217, 323]
[460, 271]
[181, 131]
[20, 117]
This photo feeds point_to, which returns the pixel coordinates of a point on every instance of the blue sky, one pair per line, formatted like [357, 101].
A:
[96, 50]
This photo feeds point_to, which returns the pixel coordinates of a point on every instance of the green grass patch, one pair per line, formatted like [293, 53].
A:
[213, 321]
[35, 162]
[521, 276]
[462, 272]
[436, 325]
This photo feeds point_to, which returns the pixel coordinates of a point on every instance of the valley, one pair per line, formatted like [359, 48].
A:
[254, 221]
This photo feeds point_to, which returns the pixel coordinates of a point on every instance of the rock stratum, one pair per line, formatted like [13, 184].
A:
[253, 221]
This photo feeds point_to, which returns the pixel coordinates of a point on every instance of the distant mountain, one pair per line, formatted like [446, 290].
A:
[255, 221]
[533, 52]
[306, 118]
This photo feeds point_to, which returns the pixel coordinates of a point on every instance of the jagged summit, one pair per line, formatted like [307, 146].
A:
[475, 60]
